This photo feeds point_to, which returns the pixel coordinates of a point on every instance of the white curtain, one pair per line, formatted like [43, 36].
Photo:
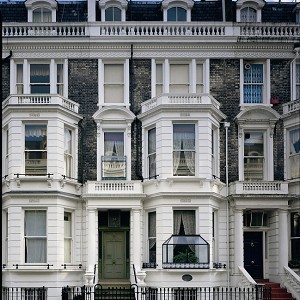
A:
[35, 130]
[35, 236]
[114, 144]
[187, 217]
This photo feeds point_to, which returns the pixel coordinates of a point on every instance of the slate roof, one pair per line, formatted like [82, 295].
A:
[149, 11]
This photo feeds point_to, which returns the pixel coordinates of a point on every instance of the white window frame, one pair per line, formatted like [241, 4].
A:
[44, 237]
[69, 155]
[255, 4]
[5, 150]
[32, 5]
[26, 63]
[215, 154]
[101, 86]
[288, 154]
[266, 81]
[121, 4]
[187, 5]
[193, 80]
[149, 237]
[295, 82]
[151, 154]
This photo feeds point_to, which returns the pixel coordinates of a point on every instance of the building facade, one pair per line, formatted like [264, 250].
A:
[155, 143]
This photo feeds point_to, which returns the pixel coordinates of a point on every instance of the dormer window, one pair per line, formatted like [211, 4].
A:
[177, 10]
[249, 10]
[41, 11]
[113, 10]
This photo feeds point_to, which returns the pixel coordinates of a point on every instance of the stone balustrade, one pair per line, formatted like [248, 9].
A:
[291, 106]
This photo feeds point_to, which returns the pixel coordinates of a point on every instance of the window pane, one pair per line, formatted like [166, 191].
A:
[171, 14]
[181, 14]
[113, 14]
[152, 236]
[176, 14]
[253, 83]
[60, 74]
[248, 14]
[152, 152]
[113, 143]
[67, 237]
[179, 78]
[184, 222]
[253, 155]
[298, 80]
[19, 79]
[40, 79]
[184, 149]
[114, 83]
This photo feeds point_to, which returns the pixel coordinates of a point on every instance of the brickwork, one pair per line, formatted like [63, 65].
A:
[140, 84]
[83, 88]
[224, 84]
[5, 80]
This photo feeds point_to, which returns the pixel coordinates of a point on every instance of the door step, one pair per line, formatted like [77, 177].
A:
[277, 292]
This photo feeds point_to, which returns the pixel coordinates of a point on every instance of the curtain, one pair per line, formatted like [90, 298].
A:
[113, 144]
[35, 130]
[68, 141]
[187, 217]
[152, 229]
[35, 236]
[152, 152]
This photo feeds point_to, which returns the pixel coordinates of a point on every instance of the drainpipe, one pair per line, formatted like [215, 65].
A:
[226, 126]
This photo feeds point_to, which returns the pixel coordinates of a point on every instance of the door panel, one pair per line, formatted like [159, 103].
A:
[114, 255]
[253, 254]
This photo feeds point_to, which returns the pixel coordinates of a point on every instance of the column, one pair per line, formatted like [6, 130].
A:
[91, 245]
[283, 240]
[238, 240]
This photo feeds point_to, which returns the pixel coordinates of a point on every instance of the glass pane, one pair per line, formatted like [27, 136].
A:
[248, 14]
[113, 73]
[67, 224]
[67, 250]
[35, 137]
[109, 14]
[40, 73]
[254, 144]
[113, 143]
[184, 223]
[117, 14]
[179, 74]
[181, 14]
[114, 93]
[35, 223]
[171, 14]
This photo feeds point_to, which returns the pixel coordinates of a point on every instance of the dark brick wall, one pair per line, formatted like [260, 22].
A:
[5, 80]
[225, 87]
[140, 91]
[83, 88]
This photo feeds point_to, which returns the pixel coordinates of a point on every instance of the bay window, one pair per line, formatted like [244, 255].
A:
[183, 149]
[35, 236]
[152, 153]
[67, 237]
[254, 157]
[179, 78]
[113, 161]
[35, 149]
[294, 153]
[68, 153]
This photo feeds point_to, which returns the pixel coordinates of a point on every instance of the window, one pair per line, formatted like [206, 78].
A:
[40, 79]
[113, 161]
[6, 151]
[253, 156]
[152, 153]
[19, 83]
[183, 149]
[113, 14]
[255, 218]
[35, 236]
[295, 238]
[184, 222]
[294, 153]
[42, 15]
[159, 79]
[199, 79]
[214, 153]
[152, 237]
[35, 149]
[68, 153]
[67, 237]
[34, 293]
[179, 78]
[60, 79]
[248, 14]
[253, 83]
[298, 80]
[114, 83]
[176, 14]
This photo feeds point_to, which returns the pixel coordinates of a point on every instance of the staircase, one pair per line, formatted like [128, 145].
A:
[114, 290]
[277, 292]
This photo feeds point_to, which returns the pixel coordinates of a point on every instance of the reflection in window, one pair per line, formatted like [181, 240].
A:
[253, 156]
[295, 238]
[176, 14]
[35, 236]
[253, 83]
[159, 79]
[42, 15]
[68, 153]
[294, 153]
[152, 236]
[183, 149]
[248, 14]
[152, 152]
[60, 79]
[19, 83]
[113, 14]
[40, 78]
[35, 149]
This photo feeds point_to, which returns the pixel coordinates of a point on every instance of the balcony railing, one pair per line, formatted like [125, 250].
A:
[180, 99]
[46, 99]
[259, 187]
[151, 29]
[291, 106]
[113, 187]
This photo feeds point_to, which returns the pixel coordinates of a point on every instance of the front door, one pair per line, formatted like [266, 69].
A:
[253, 254]
[114, 255]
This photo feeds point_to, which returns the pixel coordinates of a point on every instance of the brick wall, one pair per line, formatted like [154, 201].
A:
[5, 80]
[83, 88]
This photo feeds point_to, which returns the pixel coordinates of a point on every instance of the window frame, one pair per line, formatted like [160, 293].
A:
[152, 154]
[32, 5]
[120, 4]
[291, 156]
[69, 157]
[45, 237]
[68, 238]
[176, 10]
[151, 238]
[187, 5]
[254, 4]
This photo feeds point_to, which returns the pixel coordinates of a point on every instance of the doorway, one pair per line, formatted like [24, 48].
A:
[253, 254]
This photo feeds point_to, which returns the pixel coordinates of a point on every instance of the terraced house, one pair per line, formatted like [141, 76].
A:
[150, 143]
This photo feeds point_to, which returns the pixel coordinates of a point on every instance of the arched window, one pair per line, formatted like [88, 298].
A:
[42, 15]
[176, 14]
[113, 14]
[248, 14]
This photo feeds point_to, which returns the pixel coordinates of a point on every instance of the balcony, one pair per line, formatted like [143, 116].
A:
[113, 167]
[291, 106]
[40, 100]
[153, 29]
[258, 188]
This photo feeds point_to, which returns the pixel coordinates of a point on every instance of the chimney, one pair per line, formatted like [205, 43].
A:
[91, 10]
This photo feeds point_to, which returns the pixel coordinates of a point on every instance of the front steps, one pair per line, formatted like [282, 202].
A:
[114, 289]
[277, 292]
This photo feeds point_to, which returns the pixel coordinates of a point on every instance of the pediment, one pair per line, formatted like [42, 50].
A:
[257, 114]
[113, 114]
[253, 3]
[46, 3]
[181, 3]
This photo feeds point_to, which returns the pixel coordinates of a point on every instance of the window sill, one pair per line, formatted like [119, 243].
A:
[246, 105]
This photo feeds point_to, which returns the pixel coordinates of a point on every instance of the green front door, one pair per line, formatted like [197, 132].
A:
[114, 255]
